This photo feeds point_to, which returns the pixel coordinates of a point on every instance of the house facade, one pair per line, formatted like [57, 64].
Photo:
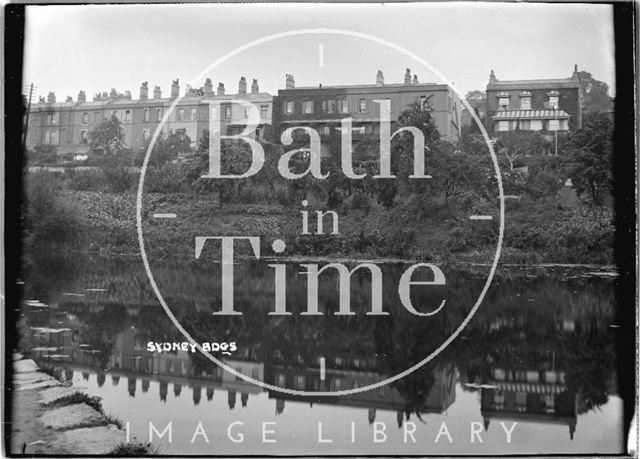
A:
[547, 105]
[323, 107]
[67, 125]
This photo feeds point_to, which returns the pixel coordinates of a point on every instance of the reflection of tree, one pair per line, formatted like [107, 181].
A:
[49, 274]
[100, 330]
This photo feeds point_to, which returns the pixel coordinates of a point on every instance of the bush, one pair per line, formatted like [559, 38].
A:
[168, 178]
[87, 180]
[48, 218]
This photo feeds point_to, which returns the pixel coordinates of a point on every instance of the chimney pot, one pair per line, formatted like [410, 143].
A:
[291, 83]
[407, 76]
[380, 78]
[144, 90]
[415, 79]
[242, 87]
[208, 87]
[82, 97]
[175, 88]
[220, 89]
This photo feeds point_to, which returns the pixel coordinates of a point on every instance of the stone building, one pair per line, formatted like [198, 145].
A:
[323, 107]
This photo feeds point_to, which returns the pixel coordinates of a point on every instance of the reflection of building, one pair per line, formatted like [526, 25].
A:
[547, 105]
[529, 395]
[387, 397]
[323, 107]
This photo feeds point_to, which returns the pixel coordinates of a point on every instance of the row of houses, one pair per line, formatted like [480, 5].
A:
[549, 105]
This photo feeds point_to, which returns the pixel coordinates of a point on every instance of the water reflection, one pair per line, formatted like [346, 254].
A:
[539, 352]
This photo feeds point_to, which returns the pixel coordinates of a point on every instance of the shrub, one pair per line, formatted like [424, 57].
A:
[168, 178]
[48, 218]
[87, 180]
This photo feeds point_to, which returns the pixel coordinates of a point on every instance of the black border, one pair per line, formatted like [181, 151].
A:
[625, 16]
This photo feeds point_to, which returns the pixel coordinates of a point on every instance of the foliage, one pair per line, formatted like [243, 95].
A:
[49, 219]
[589, 157]
[44, 154]
[595, 93]
[87, 180]
[167, 178]
[514, 145]
[107, 145]
[167, 148]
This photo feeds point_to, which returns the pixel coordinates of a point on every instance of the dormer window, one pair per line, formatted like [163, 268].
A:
[554, 99]
[525, 100]
[503, 101]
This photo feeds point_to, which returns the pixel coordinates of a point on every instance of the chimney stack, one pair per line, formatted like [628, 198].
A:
[407, 77]
[242, 87]
[208, 88]
[82, 97]
[127, 95]
[175, 89]
[291, 83]
[220, 89]
[113, 92]
[51, 98]
[415, 79]
[380, 78]
[157, 92]
[69, 99]
[492, 77]
[144, 90]
[254, 87]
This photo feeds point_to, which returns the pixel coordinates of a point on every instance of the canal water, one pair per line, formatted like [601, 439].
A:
[533, 372]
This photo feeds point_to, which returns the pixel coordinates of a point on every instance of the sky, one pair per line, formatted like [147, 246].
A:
[99, 47]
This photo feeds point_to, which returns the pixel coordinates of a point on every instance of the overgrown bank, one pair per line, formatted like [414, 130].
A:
[106, 223]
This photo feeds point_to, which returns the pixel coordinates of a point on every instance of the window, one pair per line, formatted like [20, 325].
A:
[344, 105]
[503, 103]
[554, 102]
[127, 116]
[85, 118]
[194, 114]
[264, 111]
[423, 100]
[84, 136]
[227, 112]
[288, 106]
[525, 103]
[158, 114]
[54, 138]
[146, 115]
[362, 105]
[307, 106]
[326, 130]
[554, 125]
[54, 118]
[146, 134]
[503, 126]
[328, 106]
[298, 382]
[180, 114]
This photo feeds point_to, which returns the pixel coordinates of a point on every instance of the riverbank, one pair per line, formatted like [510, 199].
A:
[51, 418]
[105, 222]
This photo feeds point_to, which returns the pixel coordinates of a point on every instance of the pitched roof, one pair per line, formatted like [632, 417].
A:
[531, 115]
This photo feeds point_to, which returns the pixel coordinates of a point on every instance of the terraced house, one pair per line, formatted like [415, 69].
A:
[323, 107]
[67, 125]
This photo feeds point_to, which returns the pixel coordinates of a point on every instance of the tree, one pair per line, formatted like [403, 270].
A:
[595, 93]
[517, 144]
[589, 154]
[107, 144]
[167, 148]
